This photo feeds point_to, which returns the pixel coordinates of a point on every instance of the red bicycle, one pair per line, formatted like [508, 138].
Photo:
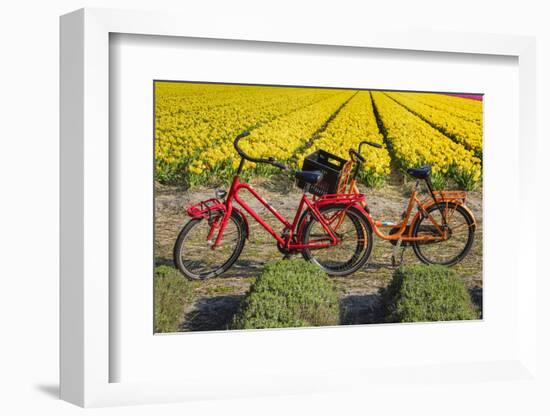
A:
[332, 230]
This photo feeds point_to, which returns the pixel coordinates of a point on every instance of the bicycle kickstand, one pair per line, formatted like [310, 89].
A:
[394, 255]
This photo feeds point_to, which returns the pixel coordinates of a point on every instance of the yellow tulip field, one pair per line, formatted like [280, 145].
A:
[195, 125]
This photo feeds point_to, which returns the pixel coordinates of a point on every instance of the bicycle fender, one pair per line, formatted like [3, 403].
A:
[471, 214]
[244, 219]
[468, 211]
[205, 209]
[365, 211]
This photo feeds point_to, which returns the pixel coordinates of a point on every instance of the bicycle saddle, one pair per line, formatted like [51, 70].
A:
[420, 173]
[309, 176]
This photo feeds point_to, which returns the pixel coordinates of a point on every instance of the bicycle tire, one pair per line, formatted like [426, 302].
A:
[469, 221]
[236, 219]
[362, 250]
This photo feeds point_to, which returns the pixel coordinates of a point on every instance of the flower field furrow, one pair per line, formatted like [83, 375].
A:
[466, 132]
[280, 138]
[355, 123]
[414, 142]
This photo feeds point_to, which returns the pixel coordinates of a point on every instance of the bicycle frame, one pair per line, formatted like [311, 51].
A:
[404, 231]
[204, 209]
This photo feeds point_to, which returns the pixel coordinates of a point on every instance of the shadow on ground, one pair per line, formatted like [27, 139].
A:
[361, 309]
[51, 390]
[211, 313]
[476, 293]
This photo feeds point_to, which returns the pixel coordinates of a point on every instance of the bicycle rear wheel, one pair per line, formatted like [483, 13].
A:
[460, 230]
[193, 254]
[355, 246]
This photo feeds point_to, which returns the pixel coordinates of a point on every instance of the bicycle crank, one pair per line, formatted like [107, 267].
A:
[286, 252]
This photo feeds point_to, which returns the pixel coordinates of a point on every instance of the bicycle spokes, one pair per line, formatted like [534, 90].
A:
[353, 248]
[445, 235]
[194, 253]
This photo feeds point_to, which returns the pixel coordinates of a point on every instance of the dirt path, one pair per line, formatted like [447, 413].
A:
[218, 299]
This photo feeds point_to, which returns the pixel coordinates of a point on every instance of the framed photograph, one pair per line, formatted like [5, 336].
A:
[237, 211]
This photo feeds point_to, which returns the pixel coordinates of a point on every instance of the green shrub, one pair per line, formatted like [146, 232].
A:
[172, 294]
[439, 181]
[171, 174]
[422, 293]
[372, 179]
[289, 293]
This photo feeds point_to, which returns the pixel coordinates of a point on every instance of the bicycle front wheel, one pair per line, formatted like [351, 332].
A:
[460, 229]
[354, 231]
[193, 254]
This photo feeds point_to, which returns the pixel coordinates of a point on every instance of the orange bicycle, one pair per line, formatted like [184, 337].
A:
[442, 228]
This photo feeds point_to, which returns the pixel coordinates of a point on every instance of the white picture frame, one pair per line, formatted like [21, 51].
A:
[85, 356]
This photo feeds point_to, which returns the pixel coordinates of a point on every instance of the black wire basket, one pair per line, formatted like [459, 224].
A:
[331, 166]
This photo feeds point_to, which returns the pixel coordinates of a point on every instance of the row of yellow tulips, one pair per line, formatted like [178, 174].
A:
[188, 118]
[355, 123]
[467, 132]
[195, 125]
[414, 142]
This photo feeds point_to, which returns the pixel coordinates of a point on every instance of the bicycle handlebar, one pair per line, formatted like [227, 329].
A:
[356, 157]
[377, 145]
[269, 160]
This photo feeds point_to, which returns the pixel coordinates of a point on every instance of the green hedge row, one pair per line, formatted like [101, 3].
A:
[173, 293]
[423, 293]
[295, 293]
[291, 293]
